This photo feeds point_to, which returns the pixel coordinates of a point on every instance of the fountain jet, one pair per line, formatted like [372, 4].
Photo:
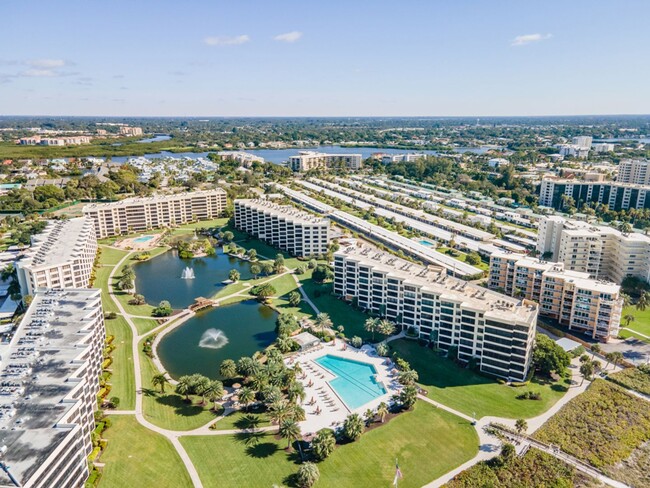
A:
[188, 273]
[213, 339]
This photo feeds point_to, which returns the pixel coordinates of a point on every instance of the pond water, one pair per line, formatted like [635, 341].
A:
[229, 332]
[159, 278]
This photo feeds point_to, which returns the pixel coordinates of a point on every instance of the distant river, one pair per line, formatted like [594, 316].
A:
[279, 156]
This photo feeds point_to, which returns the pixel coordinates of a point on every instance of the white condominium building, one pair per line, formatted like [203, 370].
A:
[284, 226]
[635, 171]
[50, 379]
[141, 214]
[130, 131]
[589, 306]
[496, 330]
[61, 256]
[306, 160]
[402, 158]
[600, 251]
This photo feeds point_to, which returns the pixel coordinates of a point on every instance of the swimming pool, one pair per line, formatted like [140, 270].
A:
[355, 381]
[426, 243]
[143, 239]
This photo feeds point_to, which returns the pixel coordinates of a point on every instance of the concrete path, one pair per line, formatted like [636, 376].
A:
[304, 295]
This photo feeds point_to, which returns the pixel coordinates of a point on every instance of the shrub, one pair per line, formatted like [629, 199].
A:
[356, 341]
[110, 315]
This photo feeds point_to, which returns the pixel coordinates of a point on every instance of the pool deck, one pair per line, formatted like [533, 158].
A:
[132, 243]
[333, 409]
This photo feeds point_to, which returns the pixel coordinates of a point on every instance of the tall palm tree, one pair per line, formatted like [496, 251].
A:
[382, 411]
[290, 430]
[369, 414]
[160, 380]
[296, 392]
[628, 318]
[246, 396]
[280, 411]
[228, 369]
[323, 321]
[386, 327]
[371, 324]
[595, 349]
[627, 300]
[214, 392]
[184, 387]
[643, 302]
[202, 388]
[521, 426]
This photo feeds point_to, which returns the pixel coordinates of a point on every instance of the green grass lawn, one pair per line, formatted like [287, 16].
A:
[469, 392]
[136, 456]
[111, 256]
[206, 224]
[427, 441]
[123, 378]
[101, 281]
[170, 410]
[641, 322]
[242, 420]
[461, 256]
[144, 325]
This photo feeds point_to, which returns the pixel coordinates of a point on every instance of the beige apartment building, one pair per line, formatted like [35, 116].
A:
[592, 307]
[284, 226]
[496, 330]
[636, 171]
[141, 214]
[62, 256]
[130, 131]
[600, 251]
[306, 160]
[50, 379]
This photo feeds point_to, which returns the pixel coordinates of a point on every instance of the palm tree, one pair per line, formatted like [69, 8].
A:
[246, 396]
[586, 370]
[628, 318]
[233, 275]
[371, 325]
[382, 349]
[285, 343]
[617, 356]
[160, 380]
[627, 300]
[307, 475]
[267, 269]
[252, 254]
[214, 392]
[228, 369]
[643, 302]
[323, 321]
[369, 414]
[382, 411]
[595, 349]
[386, 327]
[255, 270]
[323, 444]
[290, 430]
[408, 377]
[280, 411]
[521, 426]
[202, 388]
[353, 427]
[184, 387]
[296, 392]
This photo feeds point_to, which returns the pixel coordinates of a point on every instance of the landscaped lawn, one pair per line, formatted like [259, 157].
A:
[144, 325]
[427, 442]
[170, 410]
[101, 281]
[206, 224]
[111, 256]
[136, 456]
[470, 392]
[123, 378]
[641, 322]
[242, 419]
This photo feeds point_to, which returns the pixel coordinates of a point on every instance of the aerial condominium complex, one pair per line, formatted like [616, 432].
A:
[61, 256]
[50, 379]
[491, 328]
[306, 160]
[600, 251]
[297, 232]
[141, 214]
[588, 306]
[635, 171]
[616, 195]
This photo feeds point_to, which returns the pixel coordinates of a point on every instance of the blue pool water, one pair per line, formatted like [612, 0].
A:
[355, 381]
[143, 239]
[426, 243]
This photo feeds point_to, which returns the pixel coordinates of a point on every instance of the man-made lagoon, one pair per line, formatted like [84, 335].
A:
[229, 332]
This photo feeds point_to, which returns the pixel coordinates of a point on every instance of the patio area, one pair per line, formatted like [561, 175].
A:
[324, 406]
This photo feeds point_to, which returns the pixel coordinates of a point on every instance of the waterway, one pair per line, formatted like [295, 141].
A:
[159, 278]
[229, 332]
[279, 156]
[157, 138]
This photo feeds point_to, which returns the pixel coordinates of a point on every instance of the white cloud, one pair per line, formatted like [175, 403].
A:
[47, 63]
[39, 73]
[226, 41]
[292, 36]
[528, 38]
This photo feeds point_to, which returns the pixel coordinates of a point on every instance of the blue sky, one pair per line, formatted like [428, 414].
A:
[326, 58]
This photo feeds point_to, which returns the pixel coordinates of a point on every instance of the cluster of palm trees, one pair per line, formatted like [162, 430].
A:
[641, 304]
[197, 384]
[382, 326]
[126, 279]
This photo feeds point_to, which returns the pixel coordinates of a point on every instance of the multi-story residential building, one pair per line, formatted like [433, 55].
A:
[61, 256]
[130, 131]
[602, 147]
[50, 379]
[284, 226]
[488, 327]
[616, 195]
[140, 214]
[583, 141]
[306, 160]
[600, 251]
[244, 158]
[402, 158]
[592, 307]
[634, 171]
[54, 141]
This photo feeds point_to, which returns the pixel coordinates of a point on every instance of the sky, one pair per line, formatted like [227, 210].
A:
[325, 58]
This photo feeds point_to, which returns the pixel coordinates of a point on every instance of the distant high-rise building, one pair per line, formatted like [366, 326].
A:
[130, 131]
[636, 171]
[615, 194]
[306, 160]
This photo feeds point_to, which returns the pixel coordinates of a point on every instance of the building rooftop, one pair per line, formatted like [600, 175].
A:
[60, 242]
[39, 369]
[152, 199]
[288, 211]
[495, 305]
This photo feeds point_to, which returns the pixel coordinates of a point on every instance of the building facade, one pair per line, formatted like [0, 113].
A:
[616, 195]
[141, 214]
[284, 226]
[50, 390]
[591, 307]
[634, 171]
[600, 251]
[62, 256]
[495, 330]
[306, 160]
[130, 131]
